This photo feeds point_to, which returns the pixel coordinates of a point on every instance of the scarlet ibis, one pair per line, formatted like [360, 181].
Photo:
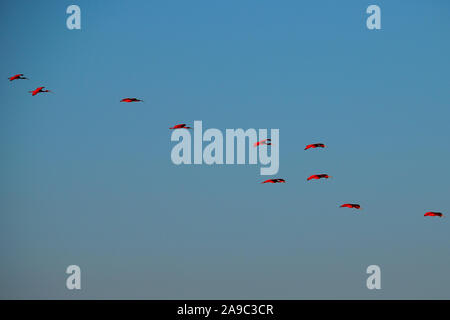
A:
[17, 76]
[433, 214]
[315, 145]
[180, 126]
[319, 176]
[131, 100]
[265, 141]
[37, 90]
[274, 181]
[351, 205]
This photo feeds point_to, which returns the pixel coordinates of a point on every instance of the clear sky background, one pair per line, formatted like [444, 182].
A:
[87, 180]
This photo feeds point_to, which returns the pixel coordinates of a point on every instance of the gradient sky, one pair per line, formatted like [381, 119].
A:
[87, 180]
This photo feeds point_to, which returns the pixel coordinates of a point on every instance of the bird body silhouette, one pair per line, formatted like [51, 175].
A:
[318, 176]
[433, 214]
[315, 145]
[265, 141]
[131, 100]
[274, 181]
[180, 126]
[351, 205]
[38, 90]
[17, 76]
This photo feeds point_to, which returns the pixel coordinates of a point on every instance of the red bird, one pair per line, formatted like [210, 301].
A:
[351, 205]
[180, 126]
[433, 214]
[262, 142]
[315, 145]
[131, 100]
[17, 76]
[319, 176]
[274, 181]
[37, 90]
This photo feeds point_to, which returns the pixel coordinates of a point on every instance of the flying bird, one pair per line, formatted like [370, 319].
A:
[318, 176]
[315, 145]
[17, 76]
[131, 100]
[37, 90]
[265, 141]
[274, 181]
[180, 126]
[433, 214]
[351, 205]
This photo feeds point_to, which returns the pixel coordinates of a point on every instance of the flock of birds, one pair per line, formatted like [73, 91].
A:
[256, 144]
[326, 176]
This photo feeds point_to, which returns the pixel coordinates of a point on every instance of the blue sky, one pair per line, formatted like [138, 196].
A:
[87, 180]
